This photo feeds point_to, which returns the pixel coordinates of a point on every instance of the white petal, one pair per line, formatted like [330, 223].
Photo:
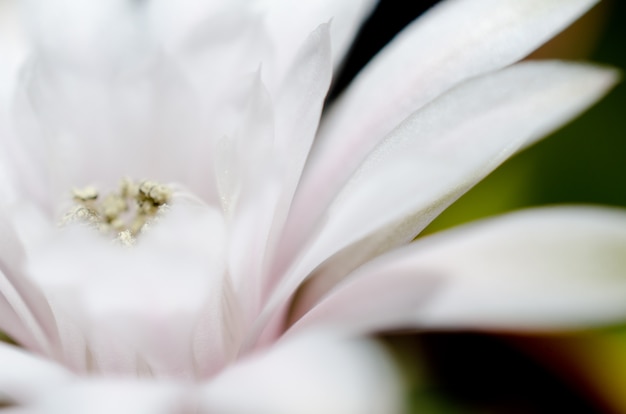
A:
[13, 48]
[24, 376]
[100, 35]
[291, 22]
[259, 168]
[215, 43]
[174, 23]
[548, 268]
[441, 151]
[114, 396]
[83, 127]
[139, 307]
[25, 313]
[255, 185]
[219, 332]
[299, 102]
[309, 374]
[298, 108]
[454, 41]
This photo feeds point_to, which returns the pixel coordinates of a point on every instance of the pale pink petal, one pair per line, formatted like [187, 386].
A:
[440, 152]
[225, 43]
[249, 186]
[114, 396]
[175, 23]
[308, 374]
[298, 107]
[289, 24]
[549, 268]
[247, 249]
[13, 48]
[218, 335]
[82, 127]
[453, 42]
[259, 168]
[299, 101]
[25, 313]
[99, 35]
[24, 376]
[139, 307]
[100, 99]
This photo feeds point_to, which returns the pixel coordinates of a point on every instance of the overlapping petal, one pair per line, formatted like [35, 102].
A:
[313, 373]
[440, 152]
[24, 376]
[138, 308]
[289, 23]
[124, 396]
[453, 42]
[25, 311]
[538, 269]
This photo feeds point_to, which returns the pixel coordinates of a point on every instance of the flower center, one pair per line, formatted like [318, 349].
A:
[124, 213]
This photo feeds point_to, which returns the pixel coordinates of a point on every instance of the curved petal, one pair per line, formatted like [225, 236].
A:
[440, 152]
[175, 23]
[249, 190]
[99, 35]
[308, 374]
[299, 102]
[259, 167]
[82, 127]
[114, 396]
[549, 268]
[298, 108]
[24, 376]
[99, 99]
[12, 49]
[139, 307]
[289, 23]
[25, 312]
[453, 42]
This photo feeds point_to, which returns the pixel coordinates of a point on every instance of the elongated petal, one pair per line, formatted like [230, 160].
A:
[453, 42]
[139, 308]
[26, 313]
[291, 22]
[12, 49]
[299, 102]
[175, 23]
[247, 164]
[114, 396]
[99, 35]
[100, 99]
[440, 152]
[83, 127]
[269, 161]
[539, 269]
[24, 377]
[310, 374]
[298, 108]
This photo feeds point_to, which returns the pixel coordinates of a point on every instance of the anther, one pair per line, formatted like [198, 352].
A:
[127, 212]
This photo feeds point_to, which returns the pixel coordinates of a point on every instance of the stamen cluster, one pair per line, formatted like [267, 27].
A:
[125, 212]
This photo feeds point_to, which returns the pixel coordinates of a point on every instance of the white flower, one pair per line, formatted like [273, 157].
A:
[240, 282]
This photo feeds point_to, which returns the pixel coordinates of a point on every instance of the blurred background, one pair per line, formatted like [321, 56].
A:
[585, 162]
